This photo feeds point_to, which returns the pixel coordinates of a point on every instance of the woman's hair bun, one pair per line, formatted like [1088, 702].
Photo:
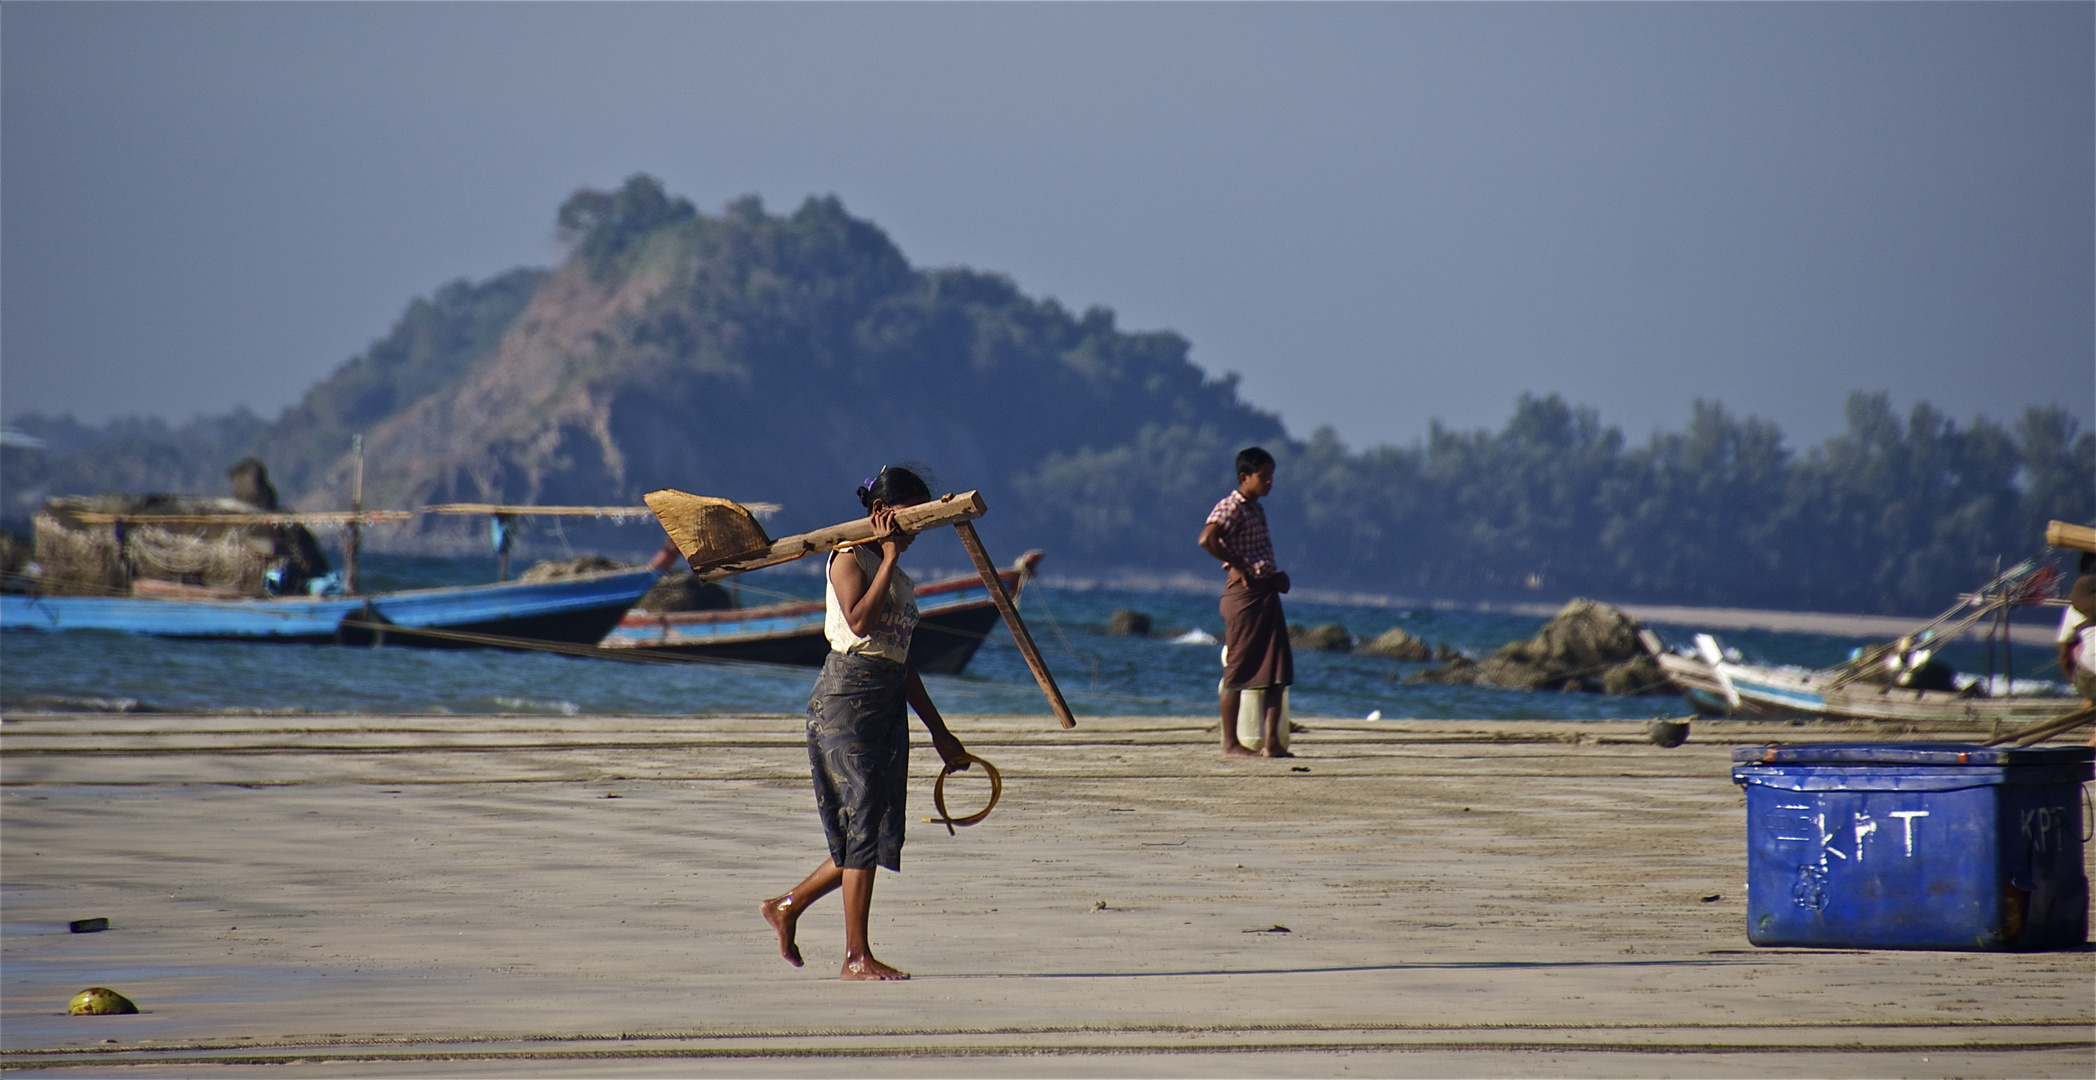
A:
[896, 485]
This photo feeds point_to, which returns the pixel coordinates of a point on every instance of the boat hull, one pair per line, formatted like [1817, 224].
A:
[578, 610]
[1787, 694]
[954, 617]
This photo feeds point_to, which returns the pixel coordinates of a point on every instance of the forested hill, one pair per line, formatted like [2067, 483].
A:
[784, 358]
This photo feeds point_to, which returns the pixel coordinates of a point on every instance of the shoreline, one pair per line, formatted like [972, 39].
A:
[1687, 617]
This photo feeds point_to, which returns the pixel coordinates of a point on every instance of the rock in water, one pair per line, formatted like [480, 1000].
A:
[1584, 634]
[1330, 637]
[1639, 676]
[1587, 646]
[1128, 623]
[1397, 645]
[1459, 671]
[100, 1001]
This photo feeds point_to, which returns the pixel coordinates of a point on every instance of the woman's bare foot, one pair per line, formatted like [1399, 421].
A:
[782, 914]
[1273, 751]
[1236, 750]
[867, 969]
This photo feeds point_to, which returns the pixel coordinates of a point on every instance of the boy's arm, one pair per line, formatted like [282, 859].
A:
[1211, 541]
[949, 748]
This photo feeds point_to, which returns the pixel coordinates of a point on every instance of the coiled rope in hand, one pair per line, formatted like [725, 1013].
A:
[946, 817]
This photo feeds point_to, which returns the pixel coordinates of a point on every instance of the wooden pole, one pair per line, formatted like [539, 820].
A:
[355, 539]
[2063, 535]
[2046, 729]
[1005, 608]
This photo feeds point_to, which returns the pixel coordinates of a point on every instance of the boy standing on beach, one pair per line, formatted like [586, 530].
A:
[1255, 632]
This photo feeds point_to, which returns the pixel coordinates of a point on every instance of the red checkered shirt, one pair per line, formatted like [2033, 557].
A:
[1244, 532]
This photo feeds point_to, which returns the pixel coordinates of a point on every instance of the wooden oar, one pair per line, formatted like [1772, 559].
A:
[2046, 729]
[946, 510]
[1006, 608]
[678, 511]
[2062, 534]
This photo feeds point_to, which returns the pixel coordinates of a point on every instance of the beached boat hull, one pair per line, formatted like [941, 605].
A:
[954, 616]
[1796, 693]
[575, 610]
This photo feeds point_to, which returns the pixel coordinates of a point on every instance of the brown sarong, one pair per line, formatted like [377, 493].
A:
[1256, 634]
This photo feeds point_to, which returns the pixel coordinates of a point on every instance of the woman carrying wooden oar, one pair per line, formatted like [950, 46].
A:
[858, 734]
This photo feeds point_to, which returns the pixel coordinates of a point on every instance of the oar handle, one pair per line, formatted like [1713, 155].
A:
[1006, 608]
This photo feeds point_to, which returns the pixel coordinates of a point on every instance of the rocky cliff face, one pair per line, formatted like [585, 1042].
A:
[777, 358]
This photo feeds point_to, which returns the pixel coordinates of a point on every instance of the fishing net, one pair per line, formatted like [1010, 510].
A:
[80, 559]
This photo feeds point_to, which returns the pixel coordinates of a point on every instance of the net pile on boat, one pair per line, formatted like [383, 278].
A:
[80, 559]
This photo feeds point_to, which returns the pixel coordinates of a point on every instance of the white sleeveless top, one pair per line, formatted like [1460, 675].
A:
[898, 620]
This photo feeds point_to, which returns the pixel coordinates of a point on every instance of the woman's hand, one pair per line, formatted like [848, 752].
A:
[890, 536]
[950, 750]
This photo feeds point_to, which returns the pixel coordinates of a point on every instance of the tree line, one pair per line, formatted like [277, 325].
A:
[1895, 514]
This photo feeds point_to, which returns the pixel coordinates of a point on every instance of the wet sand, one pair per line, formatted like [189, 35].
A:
[381, 896]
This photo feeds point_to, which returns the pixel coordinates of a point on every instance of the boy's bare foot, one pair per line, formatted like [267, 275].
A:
[781, 913]
[1273, 751]
[1236, 750]
[867, 969]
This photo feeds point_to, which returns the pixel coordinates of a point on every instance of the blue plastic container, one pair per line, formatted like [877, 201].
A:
[1915, 845]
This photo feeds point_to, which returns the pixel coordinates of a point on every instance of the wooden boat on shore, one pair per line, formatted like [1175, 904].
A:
[1733, 688]
[954, 616]
[1892, 682]
[575, 610]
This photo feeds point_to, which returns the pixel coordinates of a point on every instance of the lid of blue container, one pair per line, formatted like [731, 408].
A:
[1909, 753]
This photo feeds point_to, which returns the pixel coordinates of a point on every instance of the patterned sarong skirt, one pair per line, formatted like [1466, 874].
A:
[1256, 632]
[859, 753]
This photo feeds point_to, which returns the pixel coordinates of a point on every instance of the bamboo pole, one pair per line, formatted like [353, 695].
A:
[288, 517]
[2060, 534]
[988, 569]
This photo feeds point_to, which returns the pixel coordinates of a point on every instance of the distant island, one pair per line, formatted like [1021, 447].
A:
[759, 356]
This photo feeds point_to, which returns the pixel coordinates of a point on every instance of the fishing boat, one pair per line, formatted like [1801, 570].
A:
[954, 616]
[577, 610]
[1899, 681]
[242, 570]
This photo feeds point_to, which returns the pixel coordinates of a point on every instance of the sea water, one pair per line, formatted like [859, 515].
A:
[1171, 672]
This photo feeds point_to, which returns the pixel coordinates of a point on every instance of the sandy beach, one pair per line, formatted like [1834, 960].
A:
[499, 896]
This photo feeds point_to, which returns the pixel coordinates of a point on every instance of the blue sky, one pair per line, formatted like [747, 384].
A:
[1377, 214]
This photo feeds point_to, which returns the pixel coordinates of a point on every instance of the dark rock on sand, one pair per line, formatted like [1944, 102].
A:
[1330, 637]
[683, 591]
[1396, 644]
[1587, 646]
[1128, 623]
[1667, 733]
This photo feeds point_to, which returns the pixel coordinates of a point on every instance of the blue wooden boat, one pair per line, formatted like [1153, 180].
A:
[954, 616]
[575, 610]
